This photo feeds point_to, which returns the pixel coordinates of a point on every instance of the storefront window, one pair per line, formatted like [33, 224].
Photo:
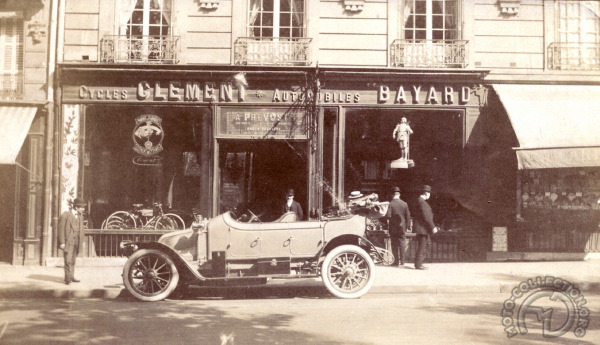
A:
[146, 155]
[255, 175]
[435, 147]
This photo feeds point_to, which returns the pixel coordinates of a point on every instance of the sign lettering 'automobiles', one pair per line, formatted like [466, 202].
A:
[228, 251]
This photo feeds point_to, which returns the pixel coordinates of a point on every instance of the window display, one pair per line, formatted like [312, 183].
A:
[567, 189]
[146, 158]
[436, 139]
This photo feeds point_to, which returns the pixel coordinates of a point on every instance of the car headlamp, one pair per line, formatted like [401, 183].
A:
[128, 247]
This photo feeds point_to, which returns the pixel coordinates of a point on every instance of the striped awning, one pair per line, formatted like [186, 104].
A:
[14, 124]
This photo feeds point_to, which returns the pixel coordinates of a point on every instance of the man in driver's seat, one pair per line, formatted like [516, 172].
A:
[292, 206]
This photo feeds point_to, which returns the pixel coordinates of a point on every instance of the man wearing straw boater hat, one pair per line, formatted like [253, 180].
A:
[423, 226]
[70, 232]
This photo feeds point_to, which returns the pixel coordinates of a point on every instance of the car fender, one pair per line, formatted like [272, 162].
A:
[352, 239]
[186, 272]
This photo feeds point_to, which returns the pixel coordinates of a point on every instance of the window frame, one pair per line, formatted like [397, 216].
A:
[11, 68]
[296, 24]
[428, 17]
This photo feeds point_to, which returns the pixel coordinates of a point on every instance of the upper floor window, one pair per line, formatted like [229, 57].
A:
[11, 56]
[577, 43]
[144, 33]
[431, 19]
[145, 17]
[578, 21]
[276, 18]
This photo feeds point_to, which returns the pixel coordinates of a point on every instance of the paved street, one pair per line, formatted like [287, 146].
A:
[273, 316]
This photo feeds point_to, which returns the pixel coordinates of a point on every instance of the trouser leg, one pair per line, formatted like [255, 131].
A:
[395, 242]
[69, 265]
[403, 244]
[421, 250]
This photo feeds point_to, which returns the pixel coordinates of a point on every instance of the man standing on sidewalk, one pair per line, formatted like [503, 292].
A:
[398, 217]
[70, 231]
[423, 226]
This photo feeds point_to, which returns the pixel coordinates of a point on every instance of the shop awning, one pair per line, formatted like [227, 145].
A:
[557, 126]
[14, 124]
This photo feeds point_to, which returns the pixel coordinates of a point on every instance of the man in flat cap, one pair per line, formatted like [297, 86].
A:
[70, 232]
[398, 217]
[423, 226]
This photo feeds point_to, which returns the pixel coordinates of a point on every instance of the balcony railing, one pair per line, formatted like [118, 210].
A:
[139, 49]
[429, 53]
[574, 56]
[11, 86]
[272, 51]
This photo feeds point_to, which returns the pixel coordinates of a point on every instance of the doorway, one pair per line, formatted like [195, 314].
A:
[7, 216]
[255, 175]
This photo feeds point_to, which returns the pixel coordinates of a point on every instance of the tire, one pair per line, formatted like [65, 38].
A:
[150, 275]
[348, 271]
[119, 220]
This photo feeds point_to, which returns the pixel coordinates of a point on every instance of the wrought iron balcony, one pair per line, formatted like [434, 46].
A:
[11, 86]
[272, 51]
[574, 56]
[139, 49]
[429, 53]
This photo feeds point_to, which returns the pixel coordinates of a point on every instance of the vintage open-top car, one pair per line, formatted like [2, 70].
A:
[225, 251]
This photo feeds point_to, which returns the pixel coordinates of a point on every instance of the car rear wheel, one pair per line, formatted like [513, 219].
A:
[150, 275]
[348, 271]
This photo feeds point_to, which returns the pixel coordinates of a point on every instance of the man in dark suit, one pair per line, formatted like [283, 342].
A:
[423, 226]
[292, 205]
[70, 232]
[398, 217]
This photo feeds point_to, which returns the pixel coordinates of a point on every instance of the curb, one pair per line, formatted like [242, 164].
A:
[313, 288]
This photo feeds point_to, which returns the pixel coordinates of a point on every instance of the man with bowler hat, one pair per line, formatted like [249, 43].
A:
[398, 217]
[423, 226]
[292, 205]
[70, 232]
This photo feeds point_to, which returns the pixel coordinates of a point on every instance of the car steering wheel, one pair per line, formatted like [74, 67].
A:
[253, 217]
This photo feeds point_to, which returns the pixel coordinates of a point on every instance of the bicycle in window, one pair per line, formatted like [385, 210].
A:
[146, 218]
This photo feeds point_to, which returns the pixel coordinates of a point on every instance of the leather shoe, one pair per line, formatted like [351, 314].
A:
[75, 280]
[67, 283]
[421, 268]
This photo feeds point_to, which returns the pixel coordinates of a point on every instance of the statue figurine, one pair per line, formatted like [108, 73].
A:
[401, 134]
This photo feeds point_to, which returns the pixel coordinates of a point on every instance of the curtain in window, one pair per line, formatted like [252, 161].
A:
[593, 6]
[165, 6]
[408, 8]
[450, 17]
[255, 9]
[297, 7]
[125, 11]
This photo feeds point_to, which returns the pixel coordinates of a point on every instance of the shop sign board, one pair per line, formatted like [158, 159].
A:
[262, 123]
[199, 92]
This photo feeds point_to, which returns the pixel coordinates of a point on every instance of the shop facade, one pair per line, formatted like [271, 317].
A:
[558, 167]
[211, 141]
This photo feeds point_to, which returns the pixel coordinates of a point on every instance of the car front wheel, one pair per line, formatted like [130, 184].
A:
[348, 271]
[150, 275]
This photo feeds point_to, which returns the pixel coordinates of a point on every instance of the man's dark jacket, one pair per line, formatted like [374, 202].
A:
[399, 216]
[423, 218]
[295, 207]
[70, 231]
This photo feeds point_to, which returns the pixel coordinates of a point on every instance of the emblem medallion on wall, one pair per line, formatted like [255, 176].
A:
[148, 136]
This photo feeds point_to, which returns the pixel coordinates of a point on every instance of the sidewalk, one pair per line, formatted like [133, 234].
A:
[488, 277]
